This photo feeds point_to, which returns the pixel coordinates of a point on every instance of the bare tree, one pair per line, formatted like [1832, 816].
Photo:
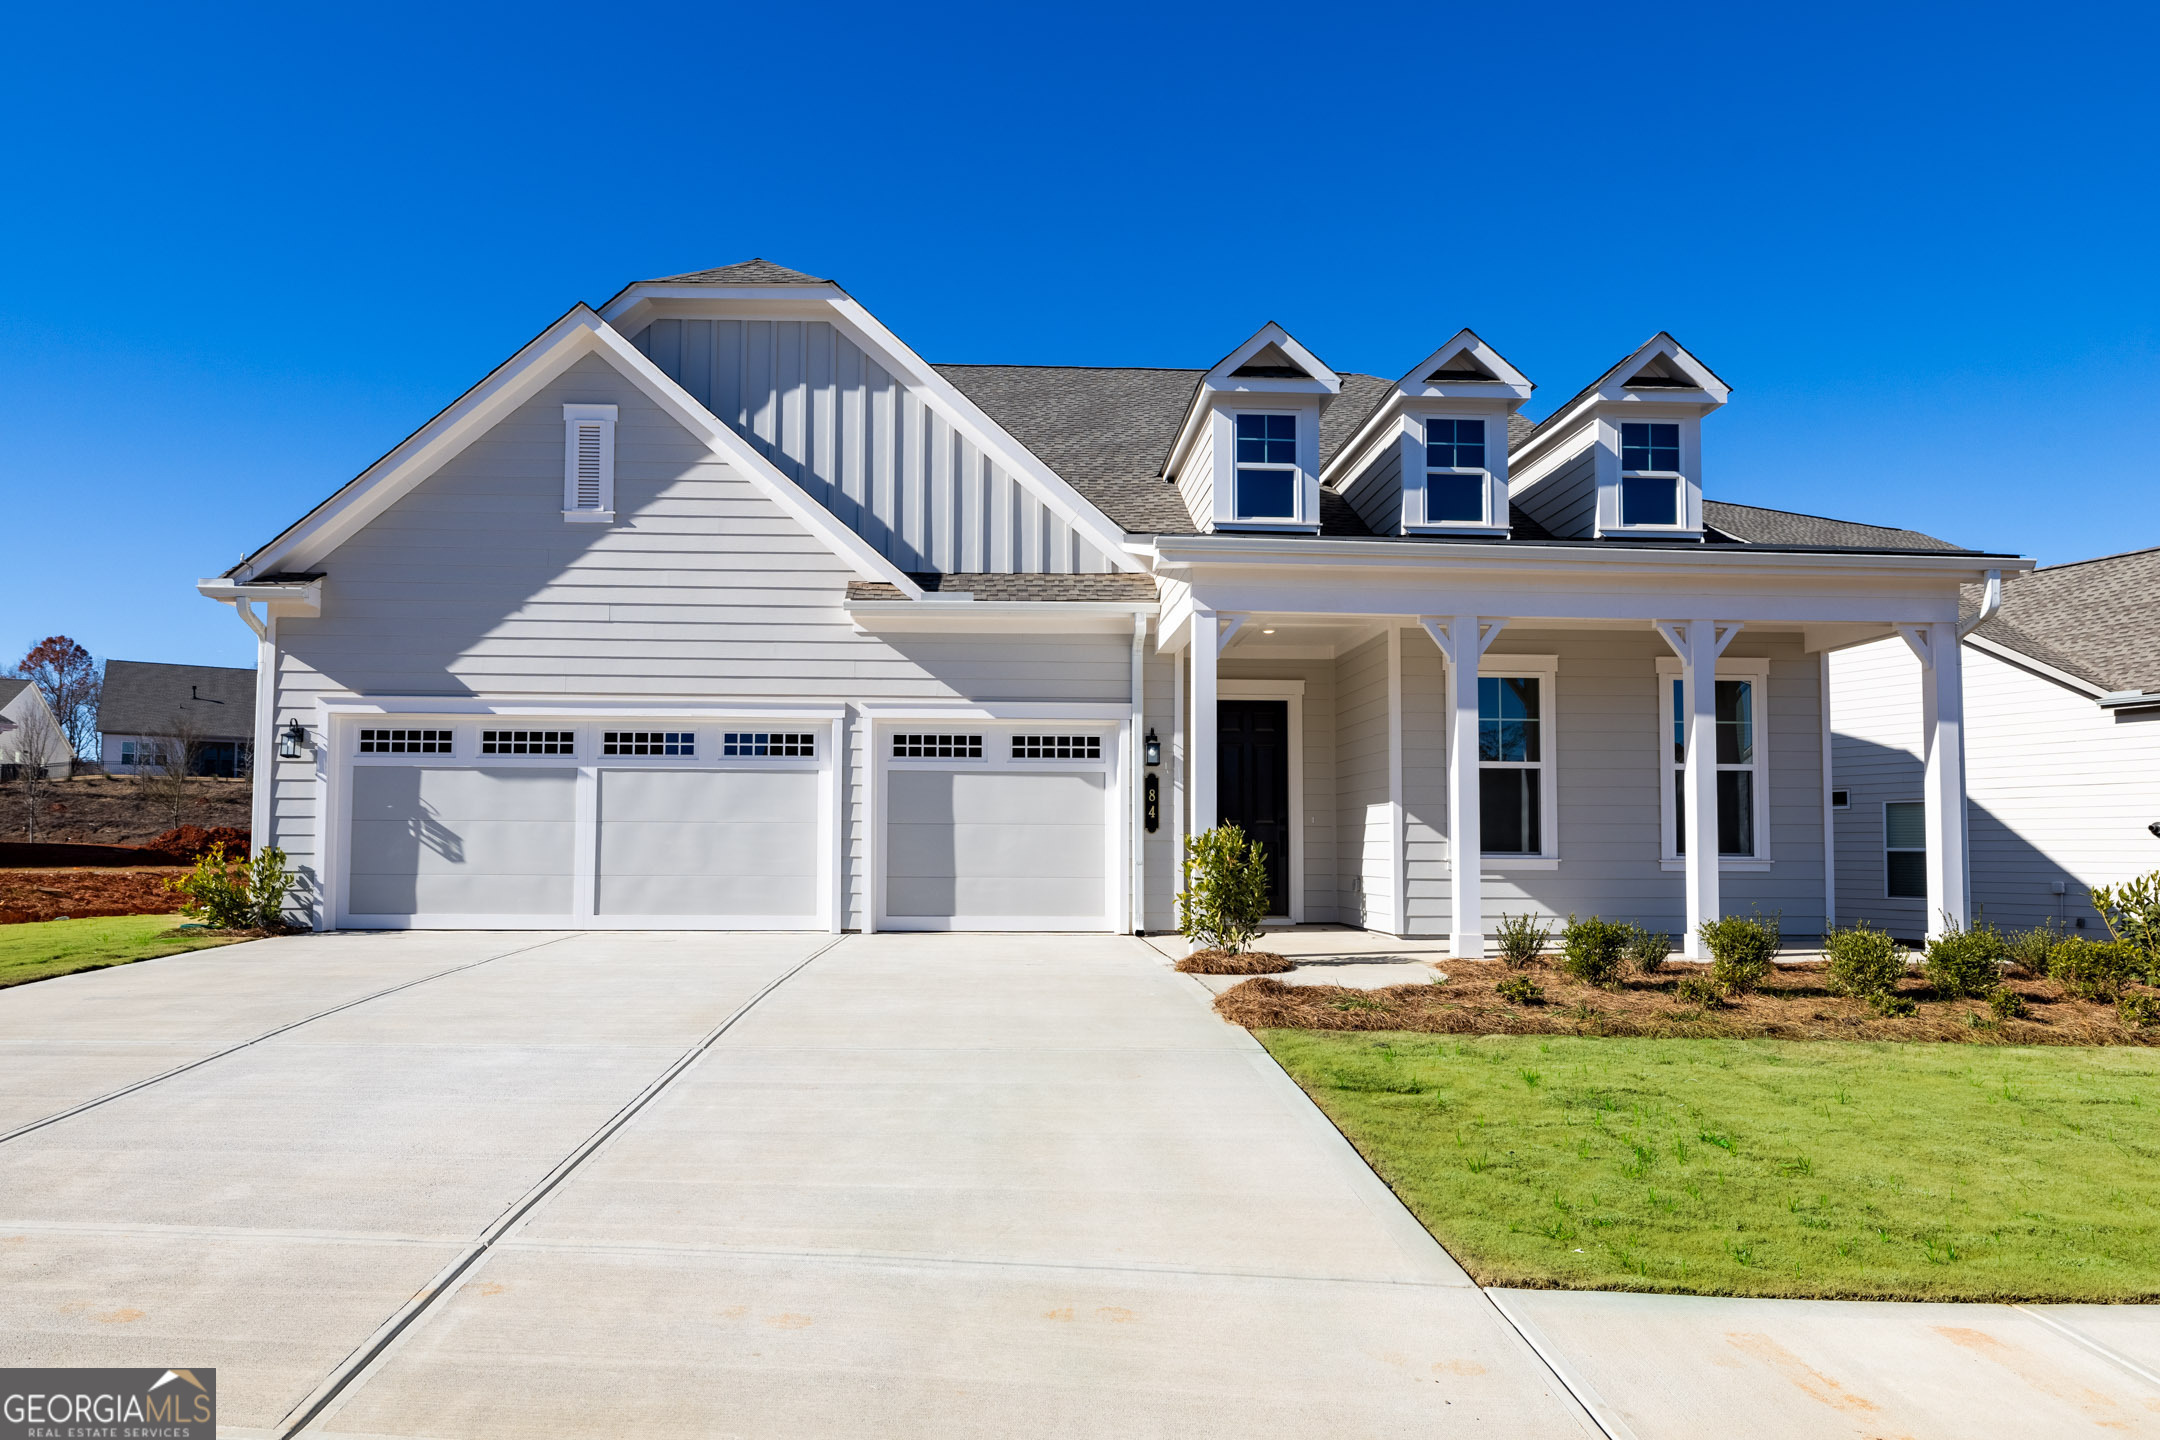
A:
[71, 681]
[38, 748]
[167, 776]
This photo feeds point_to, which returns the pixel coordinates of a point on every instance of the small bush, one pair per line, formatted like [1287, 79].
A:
[2033, 948]
[2093, 969]
[1863, 961]
[1648, 949]
[1741, 951]
[1522, 940]
[1520, 990]
[2138, 1010]
[1226, 890]
[1590, 950]
[1699, 990]
[224, 894]
[2131, 912]
[2006, 1003]
[1892, 1007]
[1966, 962]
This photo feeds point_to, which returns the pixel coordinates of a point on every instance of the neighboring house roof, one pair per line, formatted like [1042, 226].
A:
[1118, 587]
[1753, 525]
[9, 689]
[143, 697]
[749, 272]
[2098, 620]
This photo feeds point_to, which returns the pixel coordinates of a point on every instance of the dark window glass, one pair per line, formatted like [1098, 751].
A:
[1679, 722]
[1508, 719]
[1905, 877]
[1509, 812]
[1454, 497]
[1647, 445]
[1905, 847]
[1267, 439]
[1735, 722]
[1455, 443]
[1649, 500]
[1267, 494]
[1736, 812]
[1679, 812]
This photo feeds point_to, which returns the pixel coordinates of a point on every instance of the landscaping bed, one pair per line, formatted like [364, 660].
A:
[62, 947]
[1234, 962]
[1751, 1167]
[35, 895]
[1793, 1004]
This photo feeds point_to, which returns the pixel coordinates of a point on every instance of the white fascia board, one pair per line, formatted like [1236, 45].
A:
[635, 303]
[1506, 376]
[868, 332]
[1711, 394]
[1218, 380]
[1662, 344]
[1052, 617]
[295, 597]
[1185, 551]
[2046, 671]
[579, 333]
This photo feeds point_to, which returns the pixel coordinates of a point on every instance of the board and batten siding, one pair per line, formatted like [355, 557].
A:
[2058, 790]
[1564, 501]
[880, 455]
[473, 585]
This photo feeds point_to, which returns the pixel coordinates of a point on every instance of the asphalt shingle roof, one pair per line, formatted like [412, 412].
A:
[749, 272]
[1753, 525]
[1120, 586]
[2096, 619]
[143, 697]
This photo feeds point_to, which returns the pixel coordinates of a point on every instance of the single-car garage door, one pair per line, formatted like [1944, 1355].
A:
[436, 841]
[720, 844]
[997, 830]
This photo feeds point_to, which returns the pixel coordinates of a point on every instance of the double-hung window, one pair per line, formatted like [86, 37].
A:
[1455, 473]
[1267, 467]
[1904, 828]
[1742, 760]
[1513, 756]
[1650, 477]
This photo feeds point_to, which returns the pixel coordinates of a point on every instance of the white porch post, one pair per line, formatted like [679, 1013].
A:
[1698, 643]
[1942, 720]
[1206, 640]
[1466, 841]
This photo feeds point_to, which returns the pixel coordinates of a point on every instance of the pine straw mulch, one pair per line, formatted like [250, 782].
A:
[1792, 1005]
[81, 894]
[1234, 962]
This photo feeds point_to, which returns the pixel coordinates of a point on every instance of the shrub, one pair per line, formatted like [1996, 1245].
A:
[2138, 1010]
[1699, 990]
[1520, 990]
[2131, 911]
[2093, 969]
[1590, 950]
[225, 894]
[2033, 948]
[1741, 950]
[1226, 889]
[1966, 962]
[2006, 1003]
[1863, 961]
[1892, 1007]
[1648, 949]
[1522, 940]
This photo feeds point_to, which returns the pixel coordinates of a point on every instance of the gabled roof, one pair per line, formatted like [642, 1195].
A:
[1464, 368]
[748, 272]
[2098, 620]
[145, 697]
[1753, 525]
[1660, 353]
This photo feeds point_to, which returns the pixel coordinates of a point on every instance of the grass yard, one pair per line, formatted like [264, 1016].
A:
[1761, 1167]
[44, 949]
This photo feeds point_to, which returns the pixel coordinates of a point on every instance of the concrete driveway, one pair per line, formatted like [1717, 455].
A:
[455, 1185]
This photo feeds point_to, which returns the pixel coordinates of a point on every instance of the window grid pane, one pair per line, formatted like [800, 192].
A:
[1649, 500]
[1057, 747]
[404, 742]
[759, 744]
[1508, 718]
[1648, 445]
[1451, 496]
[648, 742]
[527, 742]
[1510, 812]
[1266, 494]
[1735, 703]
[937, 747]
[1455, 444]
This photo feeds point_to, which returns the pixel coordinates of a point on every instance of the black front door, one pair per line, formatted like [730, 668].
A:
[1252, 750]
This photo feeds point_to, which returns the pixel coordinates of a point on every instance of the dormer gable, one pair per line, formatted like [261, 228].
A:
[1247, 453]
[1623, 458]
[1433, 458]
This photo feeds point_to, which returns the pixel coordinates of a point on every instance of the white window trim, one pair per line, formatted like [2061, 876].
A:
[575, 416]
[1545, 669]
[1888, 850]
[1297, 469]
[1742, 667]
[1686, 480]
[1424, 520]
[1292, 692]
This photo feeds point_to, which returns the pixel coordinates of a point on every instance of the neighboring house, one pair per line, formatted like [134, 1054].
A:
[2062, 752]
[719, 607]
[149, 712]
[27, 722]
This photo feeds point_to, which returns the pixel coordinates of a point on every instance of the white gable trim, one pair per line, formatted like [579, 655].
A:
[1509, 386]
[2012, 656]
[577, 334]
[1324, 382]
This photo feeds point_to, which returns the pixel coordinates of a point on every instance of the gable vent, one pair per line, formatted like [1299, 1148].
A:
[588, 462]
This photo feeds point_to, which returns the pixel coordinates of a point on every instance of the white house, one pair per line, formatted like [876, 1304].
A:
[2062, 752]
[27, 725]
[720, 607]
[149, 712]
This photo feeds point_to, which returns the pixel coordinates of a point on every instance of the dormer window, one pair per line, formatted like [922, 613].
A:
[1650, 477]
[1267, 467]
[1455, 473]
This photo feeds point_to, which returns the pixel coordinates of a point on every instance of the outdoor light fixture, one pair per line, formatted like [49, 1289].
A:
[1154, 749]
[2154, 827]
[292, 742]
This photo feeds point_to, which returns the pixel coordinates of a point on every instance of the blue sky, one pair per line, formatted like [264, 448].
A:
[249, 251]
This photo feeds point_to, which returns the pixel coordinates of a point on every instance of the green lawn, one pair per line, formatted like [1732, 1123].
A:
[46, 948]
[1761, 1167]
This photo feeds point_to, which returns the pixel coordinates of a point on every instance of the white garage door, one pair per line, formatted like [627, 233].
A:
[722, 844]
[993, 842]
[457, 843]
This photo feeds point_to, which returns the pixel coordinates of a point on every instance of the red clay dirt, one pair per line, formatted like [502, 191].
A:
[27, 895]
[120, 810]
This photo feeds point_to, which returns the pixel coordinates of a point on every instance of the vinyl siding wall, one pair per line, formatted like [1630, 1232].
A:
[1875, 743]
[1364, 861]
[1565, 501]
[1377, 495]
[1427, 880]
[881, 456]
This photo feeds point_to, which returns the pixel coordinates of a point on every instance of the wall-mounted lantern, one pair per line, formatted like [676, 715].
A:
[1154, 756]
[292, 741]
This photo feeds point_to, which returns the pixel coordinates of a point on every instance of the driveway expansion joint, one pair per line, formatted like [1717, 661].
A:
[2105, 1351]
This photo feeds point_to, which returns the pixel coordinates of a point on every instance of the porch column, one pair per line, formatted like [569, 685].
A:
[1206, 639]
[1942, 721]
[1698, 643]
[1466, 842]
